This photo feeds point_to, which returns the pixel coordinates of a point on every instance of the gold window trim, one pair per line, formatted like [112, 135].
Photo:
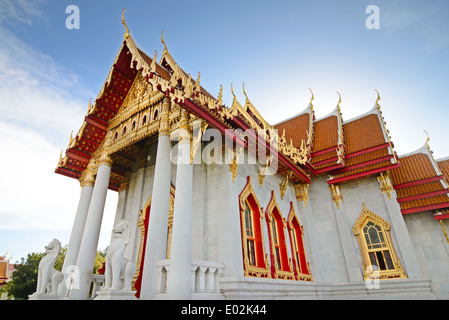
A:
[248, 269]
[365, 217]
[279, 273]
[292, 215]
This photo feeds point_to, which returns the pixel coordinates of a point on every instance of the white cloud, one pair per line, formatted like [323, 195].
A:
[41, 102]
[22, 11]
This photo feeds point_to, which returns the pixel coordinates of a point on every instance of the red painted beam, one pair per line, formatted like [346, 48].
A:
[314, 154]
[358, 153]
[76, 156]
[363, 174]
[96, 122]
[426, 208]
[107, 105]
[441, 216]
[423, 195]
[417, 182]
[193, 108]
[79, 152]
[363, 164]
[123, 71]
[320, 163]
[67, 172]
[327, 169]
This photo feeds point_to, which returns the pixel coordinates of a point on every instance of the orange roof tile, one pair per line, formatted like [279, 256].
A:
[441, 199]
[296, 128]
[325, 133]
[444, 167]
[363, 133]
[414, 167]
[419, 189]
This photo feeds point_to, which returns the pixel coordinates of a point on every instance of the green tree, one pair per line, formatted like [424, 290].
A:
[24, 279]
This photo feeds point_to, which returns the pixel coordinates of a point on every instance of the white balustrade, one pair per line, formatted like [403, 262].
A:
[204, 278]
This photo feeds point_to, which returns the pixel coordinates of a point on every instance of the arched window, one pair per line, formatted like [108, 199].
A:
[301, 266]
[281, 267]
[378, 256]
[254, 258]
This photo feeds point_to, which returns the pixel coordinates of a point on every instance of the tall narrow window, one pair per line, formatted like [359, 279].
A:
[378, 255]
[301, 267]
[254, 259]
[250, 239]
[281, 264]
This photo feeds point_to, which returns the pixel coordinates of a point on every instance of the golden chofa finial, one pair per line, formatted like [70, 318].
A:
[378, 98]
[220, 96]
[162, 40]
[427, 140]
[127, 34]
[339, 101]
[312, 98]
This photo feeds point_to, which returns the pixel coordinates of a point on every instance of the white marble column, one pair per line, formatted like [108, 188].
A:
[88, 248]
[179, 278]
[156, 247]
[87, 186]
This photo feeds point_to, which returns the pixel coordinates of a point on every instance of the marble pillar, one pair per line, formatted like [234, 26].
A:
[73, 247]
[156, 247]
[179, 278]
[88, 248]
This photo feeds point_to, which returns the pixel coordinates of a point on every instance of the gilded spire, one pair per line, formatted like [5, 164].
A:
[127, 34]
[153, 63]
[378, 97]
[220, 96]
[427, 140]
[312, 98]
[163, 42]
[339, 101]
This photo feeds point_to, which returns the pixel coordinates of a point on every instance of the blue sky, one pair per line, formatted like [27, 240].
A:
[279, 49]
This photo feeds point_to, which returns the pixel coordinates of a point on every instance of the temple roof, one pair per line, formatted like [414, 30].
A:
[345, 150]
[419, 183]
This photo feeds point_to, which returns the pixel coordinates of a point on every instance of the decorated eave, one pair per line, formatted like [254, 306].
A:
[168, 78]
[420, 183]
[92, 133]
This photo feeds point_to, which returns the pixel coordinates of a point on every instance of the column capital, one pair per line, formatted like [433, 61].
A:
[164, 125]
[184, 130]
[87, 179]
[105, 160]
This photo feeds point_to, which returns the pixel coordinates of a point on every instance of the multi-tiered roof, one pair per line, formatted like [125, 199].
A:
[307, 147]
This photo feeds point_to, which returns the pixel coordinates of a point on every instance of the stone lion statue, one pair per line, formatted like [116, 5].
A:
[118, 271]
[48, 278]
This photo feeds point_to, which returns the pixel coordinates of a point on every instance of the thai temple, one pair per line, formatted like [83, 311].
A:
[216, 203]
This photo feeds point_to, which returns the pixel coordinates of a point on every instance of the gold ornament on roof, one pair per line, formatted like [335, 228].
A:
[220, 97]
[339, 101]
[127, 34]
[378, 98]
[312, 98]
